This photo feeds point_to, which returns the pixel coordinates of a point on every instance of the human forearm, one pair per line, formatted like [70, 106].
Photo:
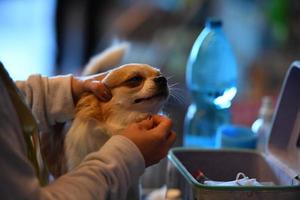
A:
[107, 172]
[50, 99]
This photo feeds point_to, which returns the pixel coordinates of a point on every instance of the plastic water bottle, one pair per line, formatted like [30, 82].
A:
[262, 125]
[211, 78]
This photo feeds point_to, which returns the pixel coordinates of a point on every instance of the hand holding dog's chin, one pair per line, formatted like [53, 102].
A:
[153, 136]
[93, 84]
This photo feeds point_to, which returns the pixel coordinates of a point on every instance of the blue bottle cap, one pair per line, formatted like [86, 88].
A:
[213, 22]
[235, 136]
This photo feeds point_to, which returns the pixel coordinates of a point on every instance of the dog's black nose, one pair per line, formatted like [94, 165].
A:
[160, 80]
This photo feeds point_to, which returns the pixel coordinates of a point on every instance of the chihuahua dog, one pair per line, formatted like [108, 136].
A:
[138, 90]
[53, 142]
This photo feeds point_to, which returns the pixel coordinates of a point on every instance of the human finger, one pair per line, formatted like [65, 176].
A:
[98, 77]
[171, 139]
[146, 123]
[163, 125]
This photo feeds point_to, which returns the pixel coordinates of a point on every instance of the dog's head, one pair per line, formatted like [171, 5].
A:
[137, 87]
[137, 91]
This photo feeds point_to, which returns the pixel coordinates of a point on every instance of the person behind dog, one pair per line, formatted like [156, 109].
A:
[107, 173]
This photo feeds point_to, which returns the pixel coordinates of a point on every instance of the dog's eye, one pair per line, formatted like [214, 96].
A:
[134, 81]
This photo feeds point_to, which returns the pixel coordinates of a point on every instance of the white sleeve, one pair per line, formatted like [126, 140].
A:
[50, 99]
[107, 173]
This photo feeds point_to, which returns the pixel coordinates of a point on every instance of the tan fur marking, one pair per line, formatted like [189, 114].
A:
[90, 107]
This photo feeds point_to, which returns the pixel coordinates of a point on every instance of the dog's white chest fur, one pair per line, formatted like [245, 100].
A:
[87, 135]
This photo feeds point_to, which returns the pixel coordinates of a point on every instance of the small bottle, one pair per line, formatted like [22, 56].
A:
[211, 77]
[262, 125]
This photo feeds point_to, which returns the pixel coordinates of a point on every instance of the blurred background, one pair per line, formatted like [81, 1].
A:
[59, 36]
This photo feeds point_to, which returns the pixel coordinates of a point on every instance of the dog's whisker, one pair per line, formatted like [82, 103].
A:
[174, 88]
[170, 84]
[173, 85]
[176, 94]
[180, 99]
[169, 77]
[178, 90]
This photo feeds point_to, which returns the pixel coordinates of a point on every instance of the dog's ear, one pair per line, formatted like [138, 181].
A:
[107, 59]
[115, 77]
[109, 79]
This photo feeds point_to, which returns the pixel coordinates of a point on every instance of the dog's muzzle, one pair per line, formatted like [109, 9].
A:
[162, 85]
[161, 81]
[162, 90]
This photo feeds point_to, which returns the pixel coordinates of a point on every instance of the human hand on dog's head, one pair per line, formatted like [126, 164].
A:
[153, 136]
[91, 84]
